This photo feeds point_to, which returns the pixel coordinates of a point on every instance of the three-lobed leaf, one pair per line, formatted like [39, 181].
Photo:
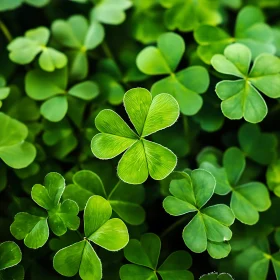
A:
[142, 156]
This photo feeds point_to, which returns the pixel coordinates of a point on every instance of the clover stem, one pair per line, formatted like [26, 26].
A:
[5, 31]
[173, 226]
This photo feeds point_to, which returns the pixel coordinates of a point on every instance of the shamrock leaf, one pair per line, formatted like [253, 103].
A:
[109, 11]
[216, 276]
[35, 229]
[146, 21]
[14, 151]
[209, 228]
[142, 156]
[10, 5]
[144, 255]
[187, 15]
[4, 91]
[258, 146]
[79, 37]
[273, 178]
[250, 30]
[23, 50]
[183, 85]
[124, 200]
[10, 254]
[51, 87]
[253, 261]
[248, 199]
[238, 96]
[111, 234]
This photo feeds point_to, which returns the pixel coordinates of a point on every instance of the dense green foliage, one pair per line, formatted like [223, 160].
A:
[139, 139]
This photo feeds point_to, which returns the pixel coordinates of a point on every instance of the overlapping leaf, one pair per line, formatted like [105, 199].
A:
[124, 200]
[142, 157]
[250, 30]
[60, 217]
[209, 228]
[144, 255]
[247, 199]
[51, 87]
[14, 150]
[183, 85]
[241, 98]
[79, 37]
[23, 50]
[110, 234]
[187, 15]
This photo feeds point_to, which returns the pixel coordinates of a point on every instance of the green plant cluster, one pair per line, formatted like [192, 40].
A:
[139, 139]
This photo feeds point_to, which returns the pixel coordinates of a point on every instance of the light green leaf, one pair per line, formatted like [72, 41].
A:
[48, 196]
[85, 184]
[85, 90]
[50, 59]
[249, 199]
[33, 229]
[194, 234]
[110, 12]
[79, 257]
[40, 85]
[10, 254]
[55, 108]
[273, 178]
[110, 234]
[234, 164]
[218, 250]
[133, 166]
[64, 216]
[241, 98]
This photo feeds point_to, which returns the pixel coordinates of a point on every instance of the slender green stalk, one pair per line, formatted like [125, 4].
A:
[5, 31]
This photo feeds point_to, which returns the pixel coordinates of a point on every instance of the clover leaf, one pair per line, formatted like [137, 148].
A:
[242, 98]
[183, 85]
[258, 146]
[14, 151]
[209, 228]
[23, 50]
[250, 30]
[13, 4]
[109, 11]
[253, 261]
[4, 91]
[79, 37]
[60, 216]
[247, 199]
[10, 254]
[51, 87]
[124, 200]
[110, 234]
[142, 157]
[144, 255]
[273, 178]
[216, 276]
[187, 15]
[146, 21]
